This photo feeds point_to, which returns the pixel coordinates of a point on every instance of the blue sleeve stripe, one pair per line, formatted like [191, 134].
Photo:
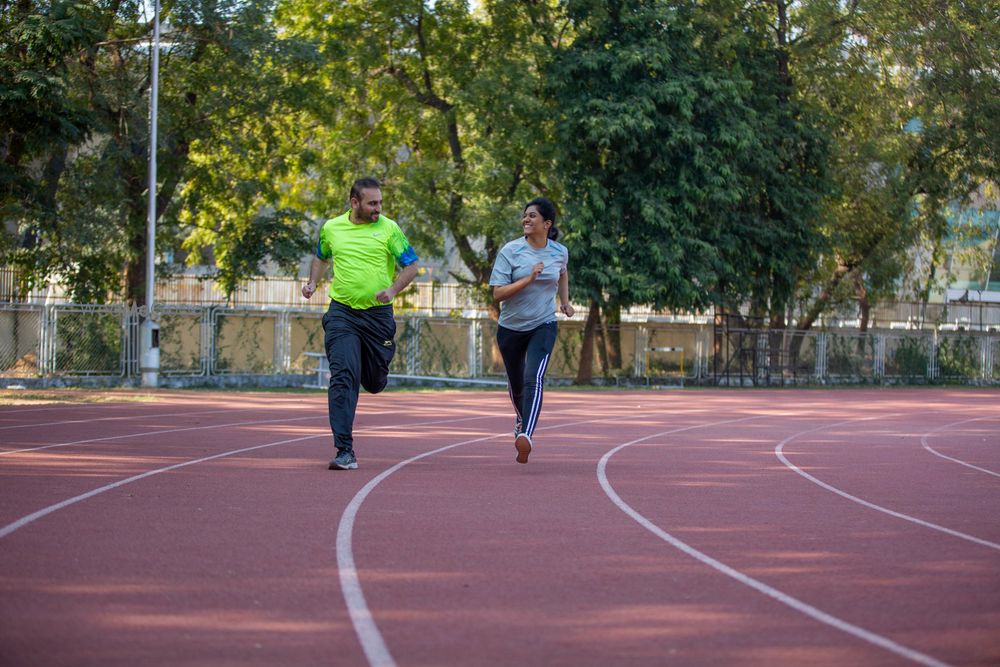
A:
[319, 250]
[407, 257]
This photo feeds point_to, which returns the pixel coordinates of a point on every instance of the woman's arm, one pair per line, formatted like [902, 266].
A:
[504, 292]
[564, 305]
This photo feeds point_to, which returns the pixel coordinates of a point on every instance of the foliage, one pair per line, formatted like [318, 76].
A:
[680, 159]
[909, 94]
[709, 152]
[85, 67]
[958, 357]
[910, 357]
[89, 343]
[439, 102]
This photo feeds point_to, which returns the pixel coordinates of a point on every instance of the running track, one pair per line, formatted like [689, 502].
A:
[688, 527]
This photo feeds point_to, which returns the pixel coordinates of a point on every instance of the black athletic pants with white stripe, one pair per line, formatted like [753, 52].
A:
[359, 346]
[526, 357]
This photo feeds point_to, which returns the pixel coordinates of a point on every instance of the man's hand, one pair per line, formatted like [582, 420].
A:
[385, 296]
[567, 309]
[308, 289]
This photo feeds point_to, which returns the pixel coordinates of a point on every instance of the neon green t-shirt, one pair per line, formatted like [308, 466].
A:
[364, 258]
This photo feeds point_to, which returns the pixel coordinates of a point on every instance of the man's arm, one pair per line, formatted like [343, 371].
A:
[316, 271]
[405, 276]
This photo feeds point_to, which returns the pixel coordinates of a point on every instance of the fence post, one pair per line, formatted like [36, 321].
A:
[130, 324]
[878, 369]
[821, 356]
[50, 363]
[762, 359]
[639, 363]
[283, 342]
[932, 364]
[986, 358]
[991, 361]
[473, 346]
[415, 366]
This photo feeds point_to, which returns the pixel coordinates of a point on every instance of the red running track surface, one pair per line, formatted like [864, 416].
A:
[681, 527]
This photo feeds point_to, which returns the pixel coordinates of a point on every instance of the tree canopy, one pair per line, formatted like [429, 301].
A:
[780, 157]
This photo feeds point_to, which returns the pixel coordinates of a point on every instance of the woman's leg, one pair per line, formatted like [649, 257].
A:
[513, 345]
[536, 362]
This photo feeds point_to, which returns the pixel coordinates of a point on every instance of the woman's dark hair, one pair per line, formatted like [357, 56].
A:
[548, 212]
[363, 183]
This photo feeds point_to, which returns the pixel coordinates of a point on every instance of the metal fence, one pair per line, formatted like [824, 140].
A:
[64, 342]
[744, 357]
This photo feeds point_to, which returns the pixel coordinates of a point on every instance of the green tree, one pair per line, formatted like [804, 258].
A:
[223, 88]
[690, 178]
[908, 91]
[39, 121]
[441, 102]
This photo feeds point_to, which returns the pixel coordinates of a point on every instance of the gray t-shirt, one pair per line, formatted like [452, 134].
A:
[535, 304]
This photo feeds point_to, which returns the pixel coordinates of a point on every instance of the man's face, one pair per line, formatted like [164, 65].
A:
[369, 207]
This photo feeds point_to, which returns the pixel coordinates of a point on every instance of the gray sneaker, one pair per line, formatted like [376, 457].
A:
[345, 460]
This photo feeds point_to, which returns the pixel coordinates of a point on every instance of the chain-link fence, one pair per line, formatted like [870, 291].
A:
[204, 344]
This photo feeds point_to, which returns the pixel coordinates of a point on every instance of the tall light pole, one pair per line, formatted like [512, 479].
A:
[149, 334]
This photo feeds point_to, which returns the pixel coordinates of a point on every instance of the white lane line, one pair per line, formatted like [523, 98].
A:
[151, 433]
[761, 587]
[63, 407]
[118, 418]
[923, 441]
[861, 501]
[178, 430]
[372, 642]
[368, 633]
[34, 516]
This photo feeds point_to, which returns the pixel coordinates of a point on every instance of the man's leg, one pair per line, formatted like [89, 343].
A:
[377, 331]
[343, 351]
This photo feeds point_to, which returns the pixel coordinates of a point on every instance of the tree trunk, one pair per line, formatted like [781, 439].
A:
[817, 308]
[601, 343]
[779, 361]
[864, 305]
[613, 324]
[585, 372]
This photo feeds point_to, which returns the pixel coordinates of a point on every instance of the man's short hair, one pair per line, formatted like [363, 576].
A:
[363, 184]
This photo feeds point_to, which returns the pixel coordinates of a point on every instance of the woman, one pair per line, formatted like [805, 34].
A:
[527, 275]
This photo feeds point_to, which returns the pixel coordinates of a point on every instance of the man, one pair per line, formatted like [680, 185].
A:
[359, 328]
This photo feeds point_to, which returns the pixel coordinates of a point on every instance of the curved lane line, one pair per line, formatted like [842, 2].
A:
[861, 501]
[371, 639]
[759, 586]
[372, 642]
[34, 516]
[923, 441]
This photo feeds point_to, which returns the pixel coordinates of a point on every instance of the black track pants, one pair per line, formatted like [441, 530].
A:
[359, 346]
[526, 357]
